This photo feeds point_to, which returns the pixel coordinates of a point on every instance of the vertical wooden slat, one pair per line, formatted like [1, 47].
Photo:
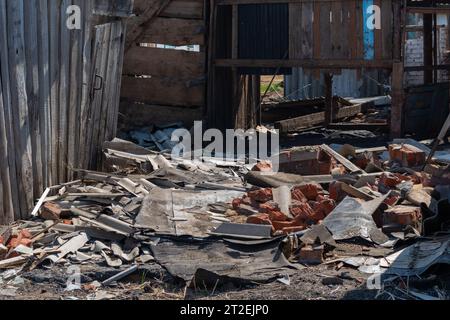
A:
[116, 78]
[295, 33]
[64, 95]
[15, 10]
[7, 113]
[73, 115]
[307, 30]
[325, 30]
[32, 87]
[6, 203]
[54, 27]
[44, 90]
[86, 84]
[379, 34]
[387, 30]
[337, 41]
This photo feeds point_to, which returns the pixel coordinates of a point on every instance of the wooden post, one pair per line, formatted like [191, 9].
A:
[328, 98]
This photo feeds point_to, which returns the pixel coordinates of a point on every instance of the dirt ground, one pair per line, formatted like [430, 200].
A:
[153, 283]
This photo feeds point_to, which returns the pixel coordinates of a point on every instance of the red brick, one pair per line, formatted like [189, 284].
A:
[392, 180]
[51, 211]
[271, 208]
[323, 209]
[403, 215]
[262, 218]
[310, 191]
[261, 195]
[311, 255]
[263, 166]
[302, 211]
[298, 195]
[407, 155]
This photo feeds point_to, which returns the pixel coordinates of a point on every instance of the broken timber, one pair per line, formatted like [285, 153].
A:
[311, 120]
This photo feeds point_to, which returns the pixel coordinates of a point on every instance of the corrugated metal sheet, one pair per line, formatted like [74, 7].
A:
[301, 84]
[264, 34]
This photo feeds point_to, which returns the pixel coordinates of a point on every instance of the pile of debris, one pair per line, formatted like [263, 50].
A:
[199, 219]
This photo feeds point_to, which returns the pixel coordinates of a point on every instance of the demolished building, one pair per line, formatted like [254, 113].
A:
[89, 180]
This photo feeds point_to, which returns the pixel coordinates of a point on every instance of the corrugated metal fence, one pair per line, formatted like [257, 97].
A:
[59, 94]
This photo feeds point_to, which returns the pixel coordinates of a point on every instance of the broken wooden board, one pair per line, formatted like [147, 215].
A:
[312, 120]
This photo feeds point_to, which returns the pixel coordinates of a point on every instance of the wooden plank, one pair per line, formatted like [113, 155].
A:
[118, 81]
[107, 94]
[63, 93]
[117, 8]
[295, 31]
[103, 33]
[32, 87]
[165, 91]
[346, 30]
[7, 112]
[6, 204]
[44, 90]
[88, 55]
[378, 34]
[145, 12]
[188, 9]
[353, 36]
[325, 31]
[336, 31]
[359, 30]
[307, 63]
[175, 32]
[311, 120]
[23, 148]
[164, 63]
[73, 114]
[307, 43]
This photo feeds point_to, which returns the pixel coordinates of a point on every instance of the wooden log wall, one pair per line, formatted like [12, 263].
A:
[167, 80]
[58, 94]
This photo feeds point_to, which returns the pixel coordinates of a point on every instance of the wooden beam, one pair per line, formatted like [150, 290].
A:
[311, 120]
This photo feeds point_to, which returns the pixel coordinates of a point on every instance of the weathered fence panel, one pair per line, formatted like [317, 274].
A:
[54, 112]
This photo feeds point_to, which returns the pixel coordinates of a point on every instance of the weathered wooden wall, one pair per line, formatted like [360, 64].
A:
[58, 95]
[171, 81]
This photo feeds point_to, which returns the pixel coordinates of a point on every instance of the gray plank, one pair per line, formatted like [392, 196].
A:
[19, 99]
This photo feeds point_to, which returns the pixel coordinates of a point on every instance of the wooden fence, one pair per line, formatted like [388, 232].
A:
[58, 93]
[159, 84]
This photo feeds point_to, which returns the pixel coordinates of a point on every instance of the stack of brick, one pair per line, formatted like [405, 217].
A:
[309, 206]
[407, 155]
